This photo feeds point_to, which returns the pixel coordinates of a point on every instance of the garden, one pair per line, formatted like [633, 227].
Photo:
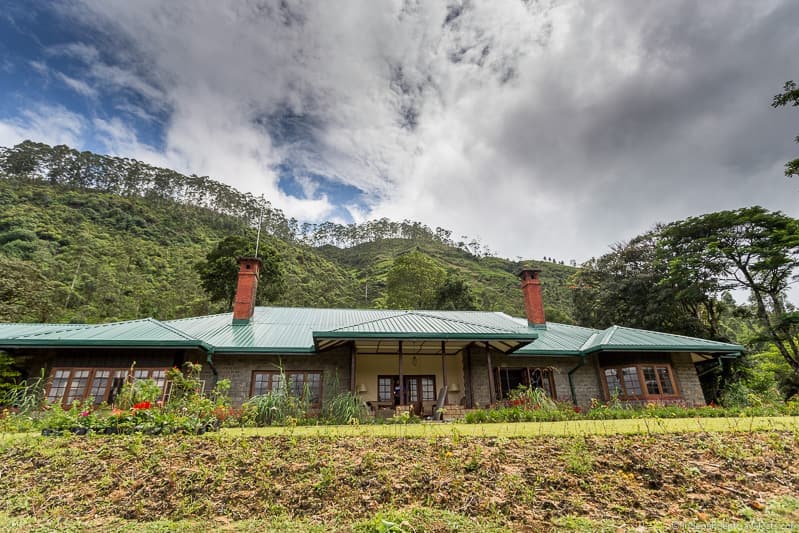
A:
[142, 407]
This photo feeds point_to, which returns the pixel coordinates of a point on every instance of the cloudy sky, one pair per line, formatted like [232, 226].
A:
[544, 128]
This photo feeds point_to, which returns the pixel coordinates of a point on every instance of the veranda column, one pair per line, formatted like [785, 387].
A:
[401, 376]
[491, 388]
[444, 370]
[352, 367]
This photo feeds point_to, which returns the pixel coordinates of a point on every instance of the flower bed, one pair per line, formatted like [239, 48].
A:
[522, 407]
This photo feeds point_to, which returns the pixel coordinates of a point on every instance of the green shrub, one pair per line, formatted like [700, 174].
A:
[138, 391]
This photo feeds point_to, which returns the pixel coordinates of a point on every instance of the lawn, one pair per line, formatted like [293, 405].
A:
[534, 429]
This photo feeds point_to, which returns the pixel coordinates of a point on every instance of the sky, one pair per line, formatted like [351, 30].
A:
[542, 128]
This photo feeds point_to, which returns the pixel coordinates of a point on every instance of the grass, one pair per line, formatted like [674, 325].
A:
[570, 428]
[781, 514]
[532, 429]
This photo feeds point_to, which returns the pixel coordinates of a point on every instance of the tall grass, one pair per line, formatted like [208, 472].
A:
[345, 408]
[27, 396]
[279, 407]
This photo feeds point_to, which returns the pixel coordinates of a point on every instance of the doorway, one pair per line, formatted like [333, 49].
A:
[420, 390]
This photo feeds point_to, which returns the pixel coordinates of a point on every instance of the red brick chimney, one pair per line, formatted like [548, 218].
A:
[244, 303]
[533, 302]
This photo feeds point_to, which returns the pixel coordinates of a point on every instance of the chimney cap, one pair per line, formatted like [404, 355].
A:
[533, 271]
[246, 262]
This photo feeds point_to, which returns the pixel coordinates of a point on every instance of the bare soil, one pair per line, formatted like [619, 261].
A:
[523, 483]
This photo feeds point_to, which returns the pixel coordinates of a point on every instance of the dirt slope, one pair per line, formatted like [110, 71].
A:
[530, 482]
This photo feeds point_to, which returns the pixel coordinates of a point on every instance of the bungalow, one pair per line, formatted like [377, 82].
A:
[387, 357]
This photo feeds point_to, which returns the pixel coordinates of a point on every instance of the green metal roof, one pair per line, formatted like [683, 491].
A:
[562, 339]
[10, 331]
[305, 330]
[145, 332]
[621, 338]
[290, 329]
[416, 324]
[557, 339]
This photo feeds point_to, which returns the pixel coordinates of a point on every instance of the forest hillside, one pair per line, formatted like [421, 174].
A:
[90, 238]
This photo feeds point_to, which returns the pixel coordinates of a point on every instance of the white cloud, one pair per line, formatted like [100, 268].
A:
[40, 67]
[85, 52]
[547, 128]
[46, 123]
[79, 86]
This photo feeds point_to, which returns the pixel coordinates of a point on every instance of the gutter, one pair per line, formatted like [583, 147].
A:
[580, 364]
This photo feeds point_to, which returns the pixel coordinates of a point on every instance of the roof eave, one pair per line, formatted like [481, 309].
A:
[549, 353]
[664, 348]
[261, 350]
[45, 343]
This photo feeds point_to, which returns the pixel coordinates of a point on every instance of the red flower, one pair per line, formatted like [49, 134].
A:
[142, 405]
[578, 409]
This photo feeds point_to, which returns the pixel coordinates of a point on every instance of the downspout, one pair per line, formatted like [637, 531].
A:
[571, 383]
[209, 359]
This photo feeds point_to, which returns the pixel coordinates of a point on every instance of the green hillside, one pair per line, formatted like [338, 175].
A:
[90, 238]
[493, 280]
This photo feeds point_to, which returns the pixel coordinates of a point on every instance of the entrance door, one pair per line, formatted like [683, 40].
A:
[419, 389]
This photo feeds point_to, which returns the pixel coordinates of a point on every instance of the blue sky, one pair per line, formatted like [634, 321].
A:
[553, 128]
[45, 52]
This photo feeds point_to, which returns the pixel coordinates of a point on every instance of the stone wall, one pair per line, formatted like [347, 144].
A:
[586, 378]
[687, 379]
[34, 361]
[334, 365]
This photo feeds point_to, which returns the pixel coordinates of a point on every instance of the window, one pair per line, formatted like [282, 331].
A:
[642, 381]
[509, 379]
[77, 387]
[101, 384]
[301, 384]
[385, 388]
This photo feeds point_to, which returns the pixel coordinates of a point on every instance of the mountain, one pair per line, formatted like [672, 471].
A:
[91, 238]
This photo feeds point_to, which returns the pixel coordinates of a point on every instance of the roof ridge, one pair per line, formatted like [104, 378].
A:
[196, 317]
[575, 326]
[399, 313]
[172, 329]
[424, 313]
[675, 335]
[83, 327]
[44, 324]
[589, 341]
[608, 334]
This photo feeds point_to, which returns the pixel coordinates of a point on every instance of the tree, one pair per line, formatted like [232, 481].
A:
[789, 96]
[219, 271]
[454, 295]
[413, 282]
[625, 287]
[750, 248]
